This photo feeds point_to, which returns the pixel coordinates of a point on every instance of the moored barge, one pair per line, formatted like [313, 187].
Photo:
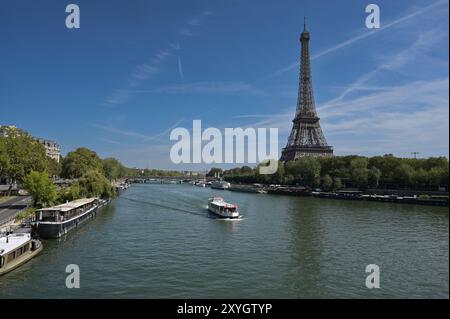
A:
[16, 249]
[56, 221]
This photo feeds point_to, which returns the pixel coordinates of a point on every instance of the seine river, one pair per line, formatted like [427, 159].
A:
[158, 241]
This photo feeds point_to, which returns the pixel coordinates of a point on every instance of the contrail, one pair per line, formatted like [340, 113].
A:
[180, 68]
[355, 39]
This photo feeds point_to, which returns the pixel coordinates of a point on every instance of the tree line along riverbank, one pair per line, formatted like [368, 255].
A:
[23, 162]
[24, 166]
[351, 172]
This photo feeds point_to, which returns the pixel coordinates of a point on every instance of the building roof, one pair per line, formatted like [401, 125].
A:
[11, 242]
[70, 205]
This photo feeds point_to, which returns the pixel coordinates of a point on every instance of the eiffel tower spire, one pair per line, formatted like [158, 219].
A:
[306, 137]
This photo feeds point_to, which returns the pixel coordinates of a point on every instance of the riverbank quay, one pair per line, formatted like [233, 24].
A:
[387, 196]
[10, 208]
[247, 189]
[356, 195]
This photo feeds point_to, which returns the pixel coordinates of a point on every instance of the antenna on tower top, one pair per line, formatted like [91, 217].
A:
[304, 23]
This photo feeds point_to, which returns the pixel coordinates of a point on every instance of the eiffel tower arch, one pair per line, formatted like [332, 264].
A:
[306, 138]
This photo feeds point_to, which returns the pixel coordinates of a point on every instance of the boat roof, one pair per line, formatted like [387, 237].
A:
[14, 241]
[220, 202]
[70, 205]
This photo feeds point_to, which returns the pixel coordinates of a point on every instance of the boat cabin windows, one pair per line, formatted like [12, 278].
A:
[17, 253]
[63, 212]
[47, 215]
[14, 254]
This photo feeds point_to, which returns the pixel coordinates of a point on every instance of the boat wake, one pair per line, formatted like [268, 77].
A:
[162, 206]
[230, 219]
[206, 213]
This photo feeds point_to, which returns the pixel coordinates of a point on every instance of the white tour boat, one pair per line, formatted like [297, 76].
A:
[219, 207]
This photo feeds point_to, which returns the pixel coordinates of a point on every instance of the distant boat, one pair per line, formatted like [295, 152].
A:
[222, 209]
[17, 249]
[220, 185]
[247, 189]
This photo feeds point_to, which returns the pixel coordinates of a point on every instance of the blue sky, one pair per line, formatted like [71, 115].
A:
[137, 69]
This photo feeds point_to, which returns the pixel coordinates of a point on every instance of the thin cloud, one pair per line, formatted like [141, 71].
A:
[193, 25]
[180, 69]
[425, 41]
[208, 88]
[360, 37]
[122, 132]
[187, 32]
[136, 135]
[153, 66]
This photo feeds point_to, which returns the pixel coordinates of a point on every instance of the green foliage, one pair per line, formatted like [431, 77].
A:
[327, 183]
[53, 168]
[20, 154]
[306, 169]
[214, 171]
[386, 164]
[93, 184]
[69, 193]
[438, 176]
[359, 173]
[82, 160]
[41, 188]
[403, 175]
[421, 177]
[362, 172]
[337, 184]
[374, 175]
[113, 168]
[26, 213]
[4, 159]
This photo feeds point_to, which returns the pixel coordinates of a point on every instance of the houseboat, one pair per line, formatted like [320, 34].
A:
[222, 209]
[17, 249]
[56, 221]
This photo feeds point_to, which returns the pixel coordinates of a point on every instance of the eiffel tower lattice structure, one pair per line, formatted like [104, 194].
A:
[306, 138]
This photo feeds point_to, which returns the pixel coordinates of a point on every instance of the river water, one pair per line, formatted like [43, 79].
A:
[158, 241]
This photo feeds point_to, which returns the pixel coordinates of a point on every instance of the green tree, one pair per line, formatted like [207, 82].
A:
[93, 184]
[307, 169]
[359, 173]
[386, 164]
[337, 184]
[421, 177]
[278, 176]
[327, 182]
[4, 159]
[113, 168]
[403, 175]
[53, 168]
[288, 179]
[432, 162]
[214, 172]
[69, 193]
[41, 188]
[82, 160]
[23, 155]
[374, 177]
[439, 176]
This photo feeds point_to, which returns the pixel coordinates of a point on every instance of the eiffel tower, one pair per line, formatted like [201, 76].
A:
[306, 138]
